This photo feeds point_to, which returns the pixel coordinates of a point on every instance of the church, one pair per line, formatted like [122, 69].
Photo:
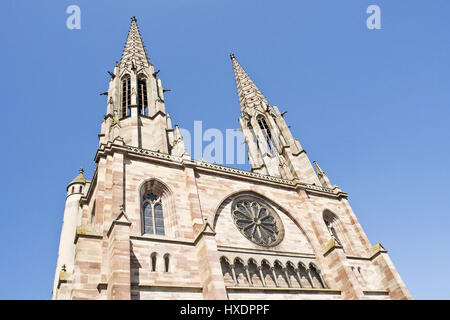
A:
[154, 223]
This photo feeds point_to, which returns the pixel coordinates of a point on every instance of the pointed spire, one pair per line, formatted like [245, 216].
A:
[169, 121]
[134, 51]
[319, 170]
[248, 92]
[323, 178]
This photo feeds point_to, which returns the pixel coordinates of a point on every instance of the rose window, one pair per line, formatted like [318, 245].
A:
[257, 221]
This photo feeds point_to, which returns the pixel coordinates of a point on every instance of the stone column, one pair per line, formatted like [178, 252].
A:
[288, 279]
[263, 281]
[233, 274]
[299, 277]
[250, 282]
[274, 276]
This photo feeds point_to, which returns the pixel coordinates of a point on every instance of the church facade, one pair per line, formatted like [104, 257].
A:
[153, 223]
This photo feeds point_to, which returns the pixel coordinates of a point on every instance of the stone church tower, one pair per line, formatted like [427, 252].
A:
[153, 223]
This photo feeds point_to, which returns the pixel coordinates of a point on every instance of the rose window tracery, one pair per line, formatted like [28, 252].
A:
[257, 221]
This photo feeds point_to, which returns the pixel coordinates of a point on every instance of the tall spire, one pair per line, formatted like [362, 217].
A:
[134, 48]
[248, 92]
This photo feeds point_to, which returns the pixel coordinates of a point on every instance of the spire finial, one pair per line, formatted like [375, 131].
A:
[81, 170]
[232, 56]
[133, 18]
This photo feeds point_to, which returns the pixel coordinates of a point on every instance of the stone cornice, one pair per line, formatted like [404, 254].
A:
[163, 239]
[331, 245]
[376, 292]
[86, 231]
[110, 148]
[266, 252]
[376, 250]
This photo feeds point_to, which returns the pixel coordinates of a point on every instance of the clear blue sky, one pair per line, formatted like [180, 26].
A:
[372, 107]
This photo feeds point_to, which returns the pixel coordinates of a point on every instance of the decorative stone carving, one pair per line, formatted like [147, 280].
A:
[257, 221]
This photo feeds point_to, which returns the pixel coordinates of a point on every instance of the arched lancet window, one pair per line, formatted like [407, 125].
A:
[253, 271]
[315, 276]
[157, 209]
[153, 261]
[93, 212]
[142, 95]
[126, 95]
[266, 131]
[305, 279]
[280, 275]
[266, 270]
[227, 273]
[166, 262]
[240, 273]
[294, 280]
[153, 214]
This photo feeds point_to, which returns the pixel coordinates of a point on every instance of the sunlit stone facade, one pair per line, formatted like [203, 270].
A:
[153, 223]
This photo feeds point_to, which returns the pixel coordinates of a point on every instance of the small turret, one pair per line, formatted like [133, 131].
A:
[75, 190]
[77, 185]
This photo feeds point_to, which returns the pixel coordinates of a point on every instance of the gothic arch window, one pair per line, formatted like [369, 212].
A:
[267, 273]
[227, 273]
[153, 261]
[315, 276]
[334, 227]
[142, 95]
[305, 279]
[280, 275]
[156, 207]
[240, 272]
[126, 95]
[266, 131]
[257, 221]
[153, 214]
[166, 262]
[292, 274]
[253, 271]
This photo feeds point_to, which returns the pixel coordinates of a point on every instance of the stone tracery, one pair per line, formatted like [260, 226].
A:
[257, 221]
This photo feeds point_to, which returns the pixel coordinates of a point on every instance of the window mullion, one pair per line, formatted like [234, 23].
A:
[153, 218]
